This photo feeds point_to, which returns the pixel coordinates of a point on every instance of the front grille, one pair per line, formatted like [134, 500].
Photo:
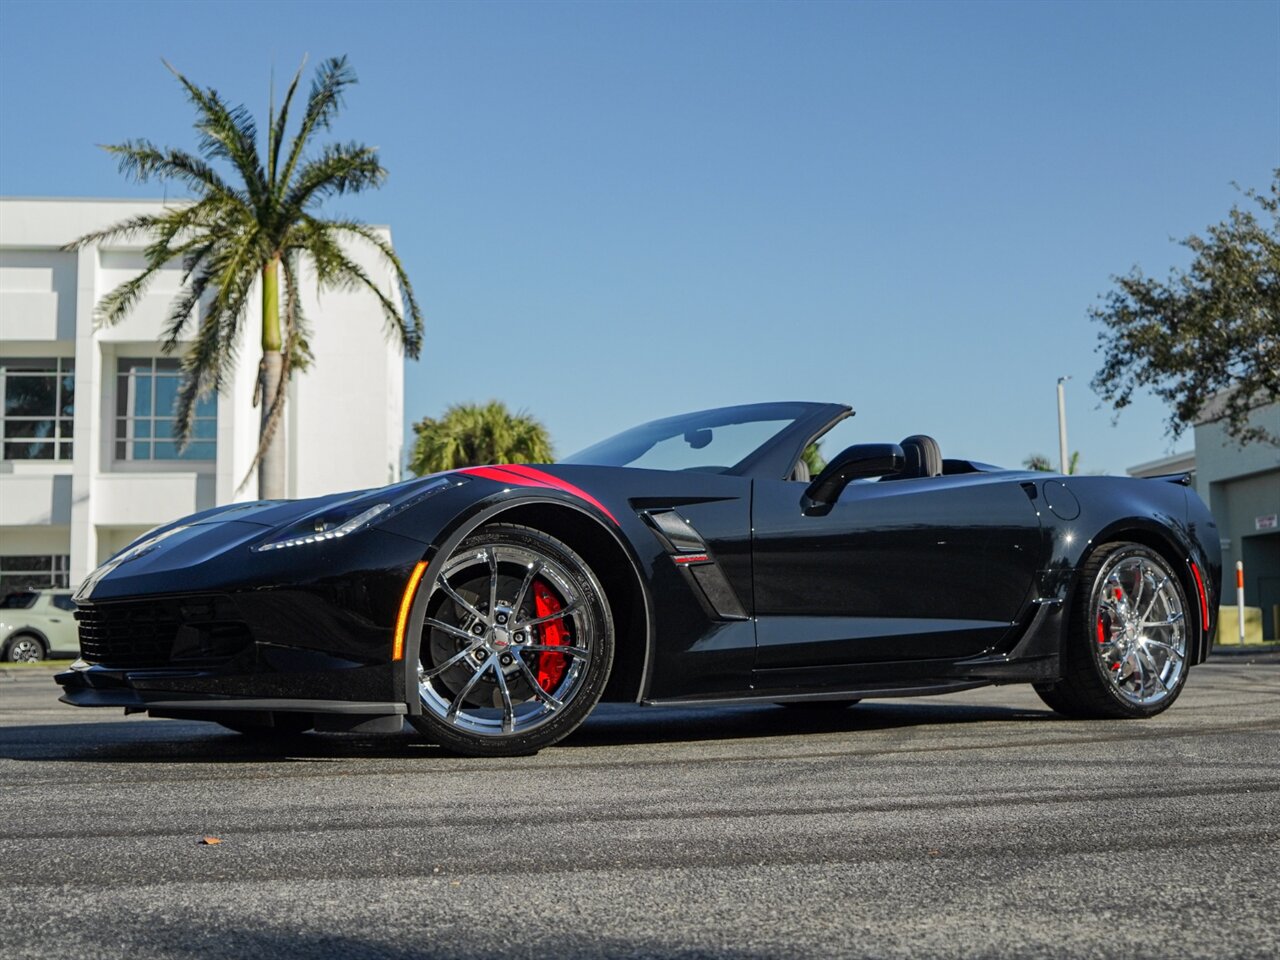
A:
[160, 632]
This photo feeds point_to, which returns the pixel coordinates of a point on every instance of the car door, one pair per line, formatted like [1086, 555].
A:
[910, 569]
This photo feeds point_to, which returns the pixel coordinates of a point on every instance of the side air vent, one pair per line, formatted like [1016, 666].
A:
[680, 537]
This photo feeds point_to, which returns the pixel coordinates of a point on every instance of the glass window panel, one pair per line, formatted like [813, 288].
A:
[166, 450]
[122, 450]
[207, 406]
[26, 563]
[141, 398]
[128, 365]
[28, 451]
[142, 450]
[30, 396]
[68, 396]
[67, 427]
[28, 428]
[65, 451]
[166, 429]
[204, 450]
[166, 395]
[204, 430]
[167, 365]
[142, 428]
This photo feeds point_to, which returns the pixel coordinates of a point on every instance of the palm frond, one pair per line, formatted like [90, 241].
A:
[276, 126]
[335, 270]
[142, 161]
[214, 350]
[229, 133]
[411, 332]
[323, 104]
[340, 168]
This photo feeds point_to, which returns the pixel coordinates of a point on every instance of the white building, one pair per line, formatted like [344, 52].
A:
[86, 459]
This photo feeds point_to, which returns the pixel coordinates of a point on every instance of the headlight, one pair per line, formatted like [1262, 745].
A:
[343, 519]
[326, 525]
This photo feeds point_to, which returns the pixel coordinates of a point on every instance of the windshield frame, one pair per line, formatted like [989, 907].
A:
[774, 458]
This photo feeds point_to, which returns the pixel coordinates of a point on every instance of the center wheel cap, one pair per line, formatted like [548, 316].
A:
[500, 640]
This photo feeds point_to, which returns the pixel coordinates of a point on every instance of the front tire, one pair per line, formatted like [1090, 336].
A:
[516, 645]
[1125, 655]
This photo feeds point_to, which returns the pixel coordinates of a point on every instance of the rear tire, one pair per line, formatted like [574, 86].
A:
[492, 682]
[1125, 654]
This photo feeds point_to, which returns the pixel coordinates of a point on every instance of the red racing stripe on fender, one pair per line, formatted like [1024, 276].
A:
[529, 477]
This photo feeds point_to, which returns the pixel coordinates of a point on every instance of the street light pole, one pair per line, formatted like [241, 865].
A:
[1062, 425]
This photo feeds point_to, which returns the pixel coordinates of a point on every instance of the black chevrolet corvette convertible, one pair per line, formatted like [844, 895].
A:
[691, 560]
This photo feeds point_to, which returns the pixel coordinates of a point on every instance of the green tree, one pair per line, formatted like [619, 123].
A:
[1207, 340]
[1038, 461]
[471, 435]
[247, 234]
[813, 459]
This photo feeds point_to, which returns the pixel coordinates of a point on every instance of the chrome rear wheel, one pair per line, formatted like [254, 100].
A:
[1140, 627]
[1126, 651]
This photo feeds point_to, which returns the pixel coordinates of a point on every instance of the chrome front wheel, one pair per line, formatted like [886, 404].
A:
[516, 644]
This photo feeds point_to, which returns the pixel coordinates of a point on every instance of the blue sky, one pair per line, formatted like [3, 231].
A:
[618, 211]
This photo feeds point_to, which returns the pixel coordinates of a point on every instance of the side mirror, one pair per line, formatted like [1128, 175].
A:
[858, 462]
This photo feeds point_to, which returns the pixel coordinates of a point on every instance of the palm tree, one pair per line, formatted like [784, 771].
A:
[256, 226]
[470, 435]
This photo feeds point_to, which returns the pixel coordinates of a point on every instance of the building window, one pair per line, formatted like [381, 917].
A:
[146, 398]
[39, 407]
[34, 572]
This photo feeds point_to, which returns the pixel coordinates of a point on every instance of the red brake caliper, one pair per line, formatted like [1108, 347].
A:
[551, 666]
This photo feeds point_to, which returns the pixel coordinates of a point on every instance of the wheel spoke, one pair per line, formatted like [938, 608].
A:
[456, 597]
[449, 628]
[538, 692]
[508, 711]
[1168, 648]
[1154, 597]
[452, 714]
[1149, 665]
[493, 580]
[535, 568]
[1175, 619]
[457, 658]
[1137, 593]
[578, 652]
[562, 612]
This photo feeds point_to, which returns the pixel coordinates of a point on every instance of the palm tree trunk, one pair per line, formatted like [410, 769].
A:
[271, 468]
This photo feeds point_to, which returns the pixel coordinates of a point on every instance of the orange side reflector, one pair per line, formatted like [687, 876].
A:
[1204, 601]
[406, 604]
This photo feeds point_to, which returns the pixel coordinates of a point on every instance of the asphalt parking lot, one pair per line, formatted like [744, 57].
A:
[971, 825]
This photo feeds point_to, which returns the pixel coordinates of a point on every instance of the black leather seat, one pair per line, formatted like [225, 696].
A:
[924, 458]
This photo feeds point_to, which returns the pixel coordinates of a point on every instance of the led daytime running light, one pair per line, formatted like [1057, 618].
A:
[350, 526]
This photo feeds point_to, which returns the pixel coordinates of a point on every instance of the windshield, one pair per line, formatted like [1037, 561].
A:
[711, 441]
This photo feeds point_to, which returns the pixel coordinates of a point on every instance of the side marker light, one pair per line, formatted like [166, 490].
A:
[406, 604]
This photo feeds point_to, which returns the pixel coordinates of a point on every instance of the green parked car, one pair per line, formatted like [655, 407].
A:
[37, 625]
